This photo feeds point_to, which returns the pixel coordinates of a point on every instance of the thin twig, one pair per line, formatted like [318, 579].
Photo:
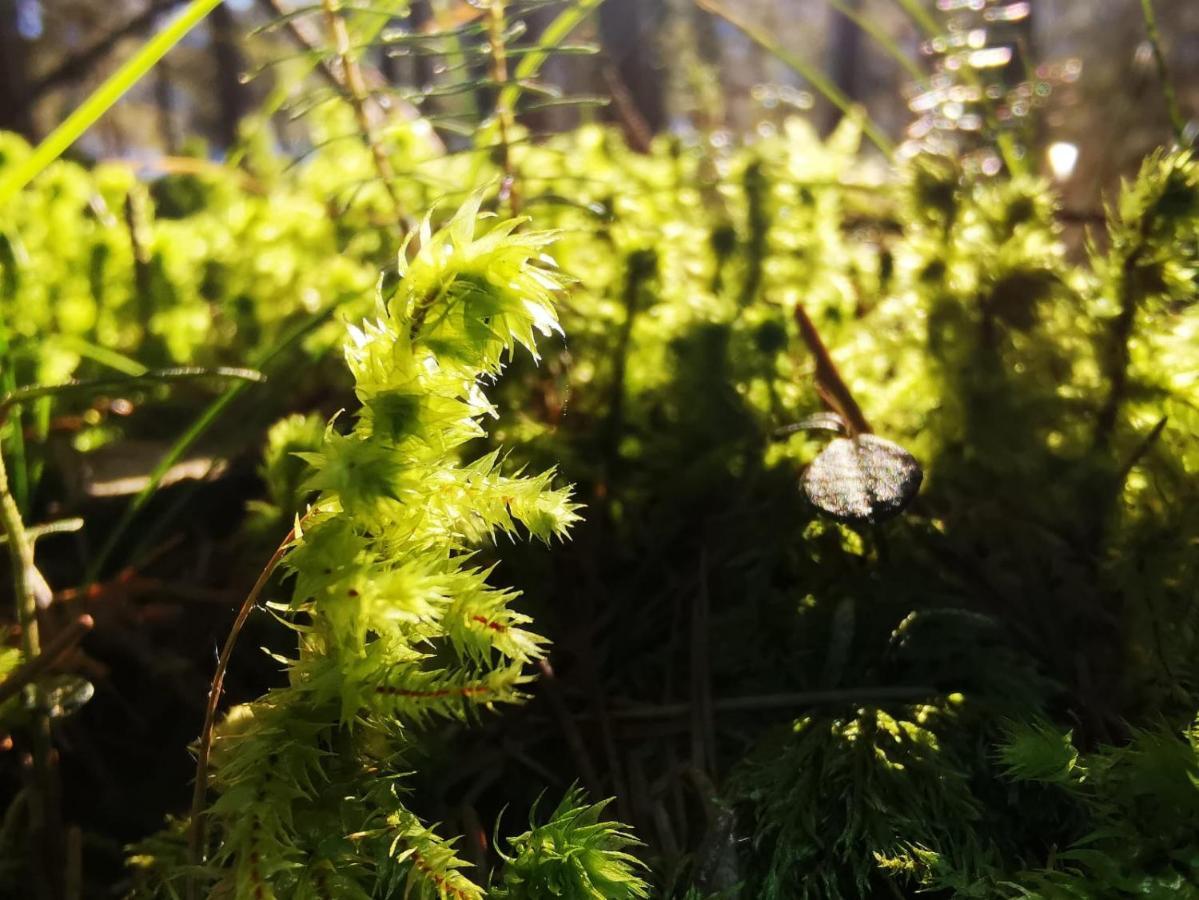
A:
[28, 672]
[61, 526]
[356, 89]
[548, 682]
[637, 132]
[1119, 350]
[640, 267]
[504, 118]
[873, 30]
[74, 871]
[300, 34]
[829, 382]
[1177, 121]
[196, 836]
[596, 695]
[763, 702]
[1142, 448]
[143, 277]
[703, 729]
[129, 585]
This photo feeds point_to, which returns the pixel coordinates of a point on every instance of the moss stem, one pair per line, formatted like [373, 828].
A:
[26, 582]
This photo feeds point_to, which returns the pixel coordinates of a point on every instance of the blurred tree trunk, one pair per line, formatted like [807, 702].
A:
[79, 65]
[229, 63]
[627, 31]
[164, 103]
[16, 113]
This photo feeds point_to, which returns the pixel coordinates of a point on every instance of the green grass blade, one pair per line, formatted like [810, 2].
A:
[925, 20]
[118, 362]
[189, 437]
[871, 29]
[102, 99]
[807, 71]
[554, 34]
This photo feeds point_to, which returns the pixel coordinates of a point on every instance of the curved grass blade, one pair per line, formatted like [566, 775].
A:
[193, 433]
[118, 362]
[164, 376]
[921, 16]
[805, 70]
[871, 29]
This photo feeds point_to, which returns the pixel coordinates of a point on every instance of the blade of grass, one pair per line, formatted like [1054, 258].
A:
[193, 433]
[1016, 163]
[805, 70]
[924, 20]
[150, 533]
[40, 397]
[886, 43]
[118, 362]
[103, 98]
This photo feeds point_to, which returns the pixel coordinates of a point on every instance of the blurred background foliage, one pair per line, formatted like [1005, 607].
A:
[674, 67]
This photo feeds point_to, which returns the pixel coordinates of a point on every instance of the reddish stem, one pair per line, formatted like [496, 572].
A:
[196, 836]
[829, 382]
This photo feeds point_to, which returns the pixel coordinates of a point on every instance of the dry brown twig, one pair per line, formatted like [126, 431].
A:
[196, 833]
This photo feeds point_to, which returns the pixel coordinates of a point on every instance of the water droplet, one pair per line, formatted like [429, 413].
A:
[990, 58]
[864, 479]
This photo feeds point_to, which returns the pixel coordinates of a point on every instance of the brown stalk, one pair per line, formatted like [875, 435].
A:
[301, 35]
[196, 834]
[143, 277]
[74, 870]
[703, 728]
[636, 130]
[574, 738]
[504, 117]
[832, 387]
[1119, 351]
[1141, 449]
[356, 94]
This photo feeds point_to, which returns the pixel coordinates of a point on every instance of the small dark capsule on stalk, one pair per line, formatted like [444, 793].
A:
[862, 480]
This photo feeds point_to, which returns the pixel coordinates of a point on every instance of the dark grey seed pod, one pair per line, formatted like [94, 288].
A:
[864, 479]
